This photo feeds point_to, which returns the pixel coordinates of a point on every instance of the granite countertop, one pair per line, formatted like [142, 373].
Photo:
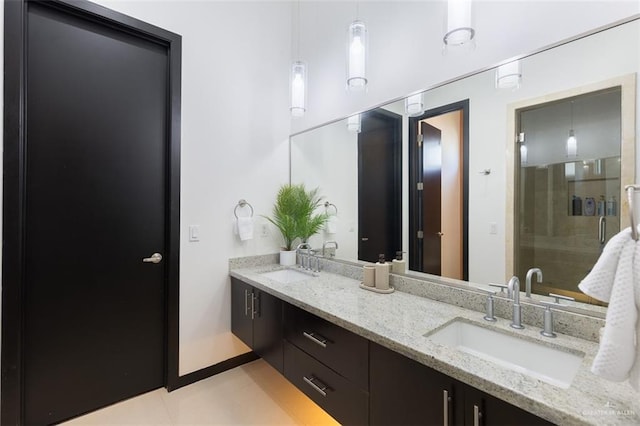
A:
[399, 321]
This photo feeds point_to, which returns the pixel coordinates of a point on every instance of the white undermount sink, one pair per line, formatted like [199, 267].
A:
[549, 364]
[287, 276]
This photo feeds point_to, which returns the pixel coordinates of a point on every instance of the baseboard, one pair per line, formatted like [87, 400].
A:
[212, 370]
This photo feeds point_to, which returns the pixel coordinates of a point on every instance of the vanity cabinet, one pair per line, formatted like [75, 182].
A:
[256, 319]
[405, 392]
[329, 364]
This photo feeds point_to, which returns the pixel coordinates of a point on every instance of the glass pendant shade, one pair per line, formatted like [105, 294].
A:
[459, 28]
[356, 73]
[298, 89]
[354, 124]
[508, 76]
[572, 145]
[414, 105]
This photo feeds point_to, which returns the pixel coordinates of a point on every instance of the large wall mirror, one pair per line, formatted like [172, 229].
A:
[468, 181]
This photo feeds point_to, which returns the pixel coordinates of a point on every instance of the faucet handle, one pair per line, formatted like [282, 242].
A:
[559, 296]
[489, 309]
[502, 287]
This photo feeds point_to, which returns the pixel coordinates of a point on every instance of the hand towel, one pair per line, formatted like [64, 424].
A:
[245, 228]
[614, 279]
[331, 226]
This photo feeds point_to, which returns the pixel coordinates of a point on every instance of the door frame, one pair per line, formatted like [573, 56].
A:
[14, 188]
[414, 177]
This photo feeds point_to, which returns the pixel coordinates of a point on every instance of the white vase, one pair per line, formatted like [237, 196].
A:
[287, 258]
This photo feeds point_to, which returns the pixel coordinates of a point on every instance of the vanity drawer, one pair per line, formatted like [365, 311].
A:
[342, 399]
[343, 351]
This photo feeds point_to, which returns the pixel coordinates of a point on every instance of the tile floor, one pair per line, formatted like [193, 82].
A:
[252, 394]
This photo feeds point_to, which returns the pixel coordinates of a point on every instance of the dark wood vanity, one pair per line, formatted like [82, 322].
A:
[357, 381]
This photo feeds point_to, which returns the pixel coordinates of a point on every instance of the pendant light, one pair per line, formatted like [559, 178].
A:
[572, 142]
[509, 76]
[357, 55]
[414, 105]
[459, 28]
[298, 80]
[354, 123]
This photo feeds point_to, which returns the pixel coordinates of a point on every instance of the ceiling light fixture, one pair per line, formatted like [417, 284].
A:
[357, 55]
[298, 80]
[509, 76]
[459, 28]
[414, 105]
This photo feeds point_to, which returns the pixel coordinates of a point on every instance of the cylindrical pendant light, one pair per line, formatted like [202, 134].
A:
[298, 89]
[572, 142]
[354, 124]
[357, 56]
[414, 105]
[509, 76]
[459, 28]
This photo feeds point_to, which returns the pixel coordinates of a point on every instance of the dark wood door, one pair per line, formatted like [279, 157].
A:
[241, 318]
[379, 185]
[431, 199]
[268, 331]
[96, 155]
[405, 392]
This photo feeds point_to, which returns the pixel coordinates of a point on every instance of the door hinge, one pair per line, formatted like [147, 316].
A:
[420, 140]
[420, 186]
[420, 235]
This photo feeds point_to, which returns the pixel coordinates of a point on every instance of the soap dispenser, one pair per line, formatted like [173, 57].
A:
[382, 274]
[399, 265]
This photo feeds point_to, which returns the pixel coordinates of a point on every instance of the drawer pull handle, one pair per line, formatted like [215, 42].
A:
[446, 399]
[318, 340]
[320, 388]
[477, 415]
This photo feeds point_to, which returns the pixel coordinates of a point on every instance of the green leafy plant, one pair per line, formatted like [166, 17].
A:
[293, 214]
[310, 223]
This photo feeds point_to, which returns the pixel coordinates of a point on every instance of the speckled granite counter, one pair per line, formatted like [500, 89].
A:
[400, 320]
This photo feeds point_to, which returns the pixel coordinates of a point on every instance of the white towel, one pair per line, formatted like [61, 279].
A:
[615, 279]
[245, 228]
[331, 226]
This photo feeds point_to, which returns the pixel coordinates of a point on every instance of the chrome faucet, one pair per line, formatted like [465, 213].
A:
[326, 243]
[514, 289]
[298, 251]
[530, 273]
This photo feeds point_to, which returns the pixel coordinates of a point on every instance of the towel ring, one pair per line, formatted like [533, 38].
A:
[328, 204]
[631, 189]
[242, 204]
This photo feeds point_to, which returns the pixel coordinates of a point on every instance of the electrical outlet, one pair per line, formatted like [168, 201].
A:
[493, 228]
[265, 230]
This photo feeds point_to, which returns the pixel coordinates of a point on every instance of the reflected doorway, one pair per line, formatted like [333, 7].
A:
[568, 185]
[379, 185]
[438, 191]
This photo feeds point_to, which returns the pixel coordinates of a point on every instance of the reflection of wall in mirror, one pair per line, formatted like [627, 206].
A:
[327, 158]
[599, 57]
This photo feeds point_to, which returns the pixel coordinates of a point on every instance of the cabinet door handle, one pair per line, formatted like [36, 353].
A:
[321, 388]
[318, 340]
[246, 303]
[477, 414]
[445, 407]
[253, 305]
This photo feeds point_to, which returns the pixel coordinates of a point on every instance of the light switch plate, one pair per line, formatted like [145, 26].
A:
[194, 233]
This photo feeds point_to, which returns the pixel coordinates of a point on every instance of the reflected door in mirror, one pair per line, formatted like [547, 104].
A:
[379, 185]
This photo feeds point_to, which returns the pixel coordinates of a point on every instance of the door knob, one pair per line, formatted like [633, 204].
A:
[155, 258]
[440, 234]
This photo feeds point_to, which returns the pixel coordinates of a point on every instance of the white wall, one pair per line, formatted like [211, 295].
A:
[405, 44]
[235, 125]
